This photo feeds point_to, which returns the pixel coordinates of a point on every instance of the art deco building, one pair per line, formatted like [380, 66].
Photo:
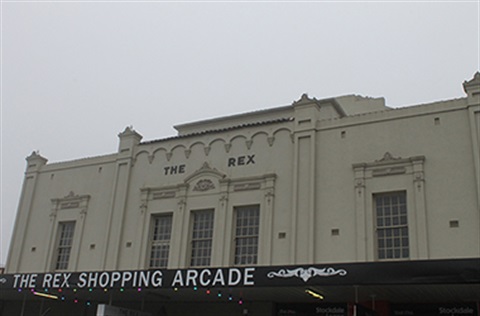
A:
[339, 206]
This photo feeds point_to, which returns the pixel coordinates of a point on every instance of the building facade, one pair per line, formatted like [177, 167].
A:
[338, 206]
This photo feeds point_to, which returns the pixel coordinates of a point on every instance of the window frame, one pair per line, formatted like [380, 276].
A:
[63, 251]
[160, 242]
[391, 225]
[201, 243]
[390, 174]
[246, 258]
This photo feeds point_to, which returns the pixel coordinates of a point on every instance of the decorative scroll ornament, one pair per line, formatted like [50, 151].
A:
[388, 157]
[306, 274]
[204, 185]
[3, 280]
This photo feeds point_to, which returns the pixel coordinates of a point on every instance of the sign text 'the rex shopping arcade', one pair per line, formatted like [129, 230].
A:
[220, 277]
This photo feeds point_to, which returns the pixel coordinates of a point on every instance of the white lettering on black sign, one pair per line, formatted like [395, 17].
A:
[141, 278]
[207, 277]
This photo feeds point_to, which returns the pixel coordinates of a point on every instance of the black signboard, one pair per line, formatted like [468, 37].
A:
[460, 271]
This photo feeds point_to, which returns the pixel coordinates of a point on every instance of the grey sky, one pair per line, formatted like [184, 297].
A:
[75, 74]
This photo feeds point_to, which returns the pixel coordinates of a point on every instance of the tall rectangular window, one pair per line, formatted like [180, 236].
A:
[202, 233]
[246, 234]
[64, 245]
[160, 241]
[392, 225]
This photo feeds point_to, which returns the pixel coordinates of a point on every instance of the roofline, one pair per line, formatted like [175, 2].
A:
[229, 117]
[220, 130]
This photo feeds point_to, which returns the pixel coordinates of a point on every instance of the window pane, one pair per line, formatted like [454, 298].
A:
[65, 240]
[201, 238]
[160, 241]
[392, 229]
[246, 237]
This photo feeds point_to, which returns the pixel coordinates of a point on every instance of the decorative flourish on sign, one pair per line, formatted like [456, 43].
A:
[3, 280]
[306, 274]
[204, 185]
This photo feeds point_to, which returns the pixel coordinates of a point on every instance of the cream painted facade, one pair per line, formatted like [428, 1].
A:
[312, 167]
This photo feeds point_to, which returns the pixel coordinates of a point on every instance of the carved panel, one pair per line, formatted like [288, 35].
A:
[246, 186]
[388, 171]
[204, 185]
[163, 195]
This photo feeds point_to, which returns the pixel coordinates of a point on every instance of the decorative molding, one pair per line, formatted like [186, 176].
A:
[270, 140]
[228, 146]
[204, 185]
[187, 153]
[388, 157]
[223, 199]
[249, 143]
[181, 203]
[388, 171]
[247, 186]
[150, 158]
[207, 150]
[306, 274]
[83, 212]
[359, 183]
[169, 156]
[396, 163]
[144, 195]
[304, 99]
[70, 195]
[418, 176]
[472, 84]
[143, 207]
[418, 179]
[163, 195]
[68, 202]
[205, 169]
[269, 195]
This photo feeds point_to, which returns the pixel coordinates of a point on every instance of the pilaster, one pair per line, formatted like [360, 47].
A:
[142, 222]
[221, 248]
[129, 139]
[265, 252]
[472, 89]
[179, 239]
[360, 217]
[420, 207]
[303, 208]
[35, 162]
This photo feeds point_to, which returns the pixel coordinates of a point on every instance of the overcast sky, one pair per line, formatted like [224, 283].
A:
[75, 74]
